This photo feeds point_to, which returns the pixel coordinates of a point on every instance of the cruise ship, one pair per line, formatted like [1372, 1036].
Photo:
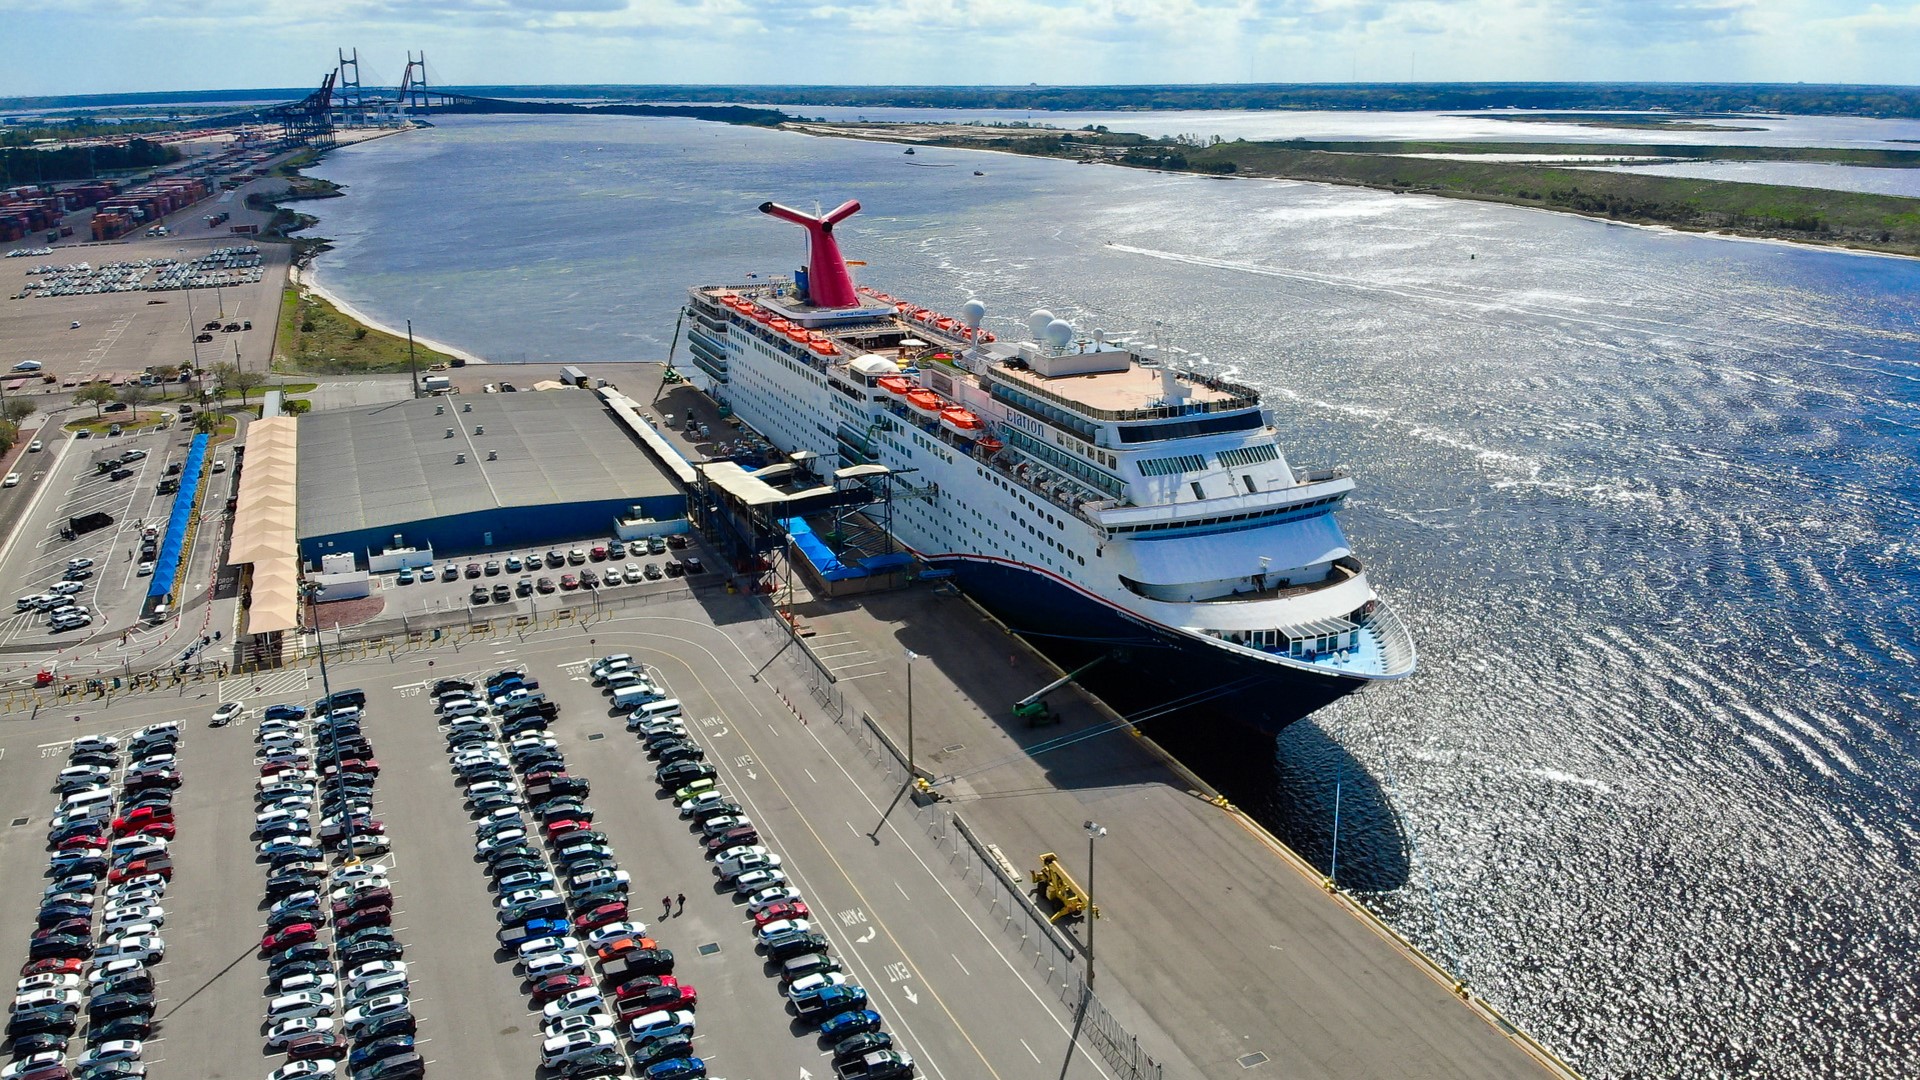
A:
[1086, 493]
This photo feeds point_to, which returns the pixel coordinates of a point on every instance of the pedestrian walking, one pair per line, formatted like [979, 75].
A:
[683, 904]
[666, 902]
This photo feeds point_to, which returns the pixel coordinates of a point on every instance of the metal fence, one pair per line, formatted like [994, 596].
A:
[1005, 890]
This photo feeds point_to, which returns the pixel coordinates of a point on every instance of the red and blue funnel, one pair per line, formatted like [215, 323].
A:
[828, 283]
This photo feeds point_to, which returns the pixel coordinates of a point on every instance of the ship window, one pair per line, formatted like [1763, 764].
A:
[1198, 491]
[1251, 490]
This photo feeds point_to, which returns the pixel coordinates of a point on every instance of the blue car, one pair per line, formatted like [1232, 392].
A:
[850, 1023]
[822, 1002]
[686, 1068]
[284, 712]
[535, 928]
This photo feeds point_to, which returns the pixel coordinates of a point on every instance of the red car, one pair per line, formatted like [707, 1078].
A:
[84, 840]
[793, 909]
[297, 934]
[640, 984]
[545, 776]
[370, 766]
[568, 581]
[566, 825]
[275, 768]
[558, 986]
[600, 916]
[654, 998]
[365, 917]
[318, 1044]
[161, 829]
[53, 965]
[158, 865]
[473, 569]
[372, 898]
[599, 553]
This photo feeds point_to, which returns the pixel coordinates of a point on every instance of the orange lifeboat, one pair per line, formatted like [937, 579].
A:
[960, 421]
[897, 385]
[990, 445]
[945, 323]
[925, 400]
[824, 348]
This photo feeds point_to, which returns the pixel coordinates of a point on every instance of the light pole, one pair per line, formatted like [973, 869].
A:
[1095, 831]
[312, 590]
[911, 774]
[193, 326]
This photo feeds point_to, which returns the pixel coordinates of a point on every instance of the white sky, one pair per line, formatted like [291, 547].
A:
[101, 46]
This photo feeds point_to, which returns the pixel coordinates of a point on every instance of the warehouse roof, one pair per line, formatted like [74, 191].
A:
[394, 463]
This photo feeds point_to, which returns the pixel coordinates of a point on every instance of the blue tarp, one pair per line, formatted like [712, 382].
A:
[167, 566]
[829, 564]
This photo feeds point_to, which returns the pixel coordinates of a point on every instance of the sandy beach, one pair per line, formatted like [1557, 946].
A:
[307, 281]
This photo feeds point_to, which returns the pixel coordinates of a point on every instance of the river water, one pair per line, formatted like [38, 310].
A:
[1648, 501]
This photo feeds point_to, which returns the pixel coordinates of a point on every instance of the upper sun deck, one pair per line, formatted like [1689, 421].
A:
[1133, 392]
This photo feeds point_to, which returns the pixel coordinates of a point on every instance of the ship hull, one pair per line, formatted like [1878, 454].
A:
[1151, 671]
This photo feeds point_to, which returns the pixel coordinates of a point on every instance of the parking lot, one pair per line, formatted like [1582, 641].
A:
[71, 484]
[952, 989]
[127, 332]
[534, 581]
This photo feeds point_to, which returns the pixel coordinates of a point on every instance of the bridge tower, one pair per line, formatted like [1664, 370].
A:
[415, 95]
[347, 95]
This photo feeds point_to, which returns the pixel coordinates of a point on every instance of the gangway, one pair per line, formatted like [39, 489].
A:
[1033, 708]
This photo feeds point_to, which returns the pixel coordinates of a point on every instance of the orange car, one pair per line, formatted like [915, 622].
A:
[623, 946]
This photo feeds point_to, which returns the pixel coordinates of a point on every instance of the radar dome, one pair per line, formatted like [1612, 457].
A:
[972, 312]
[1099, 336]
[1059, 333]
[1037, 322]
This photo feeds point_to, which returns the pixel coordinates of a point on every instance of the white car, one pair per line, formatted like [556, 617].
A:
[614, 932]
[31, 1061]
[574, 1045]
[36, 446]
[321, 981]
[148, 949]
[94, 744]
[361, 991]
[464, 707]
[64, 997]
[506, 838]
[376, 969]
[585, 1000]
[347, 892]
[121, 918]
[145, 569]
[360, 1017]
[702, 801]
[227, 713]
[12, 480]
[294, 1028]
[359, 872]
[28, 365]
[560, 963]
[781, 926]
[766, 898]
[660, 1022]
[598, 1021]
[301, 1070]
[52, 980]
[292, 1006]
[59, 588]
[133, 932]
[815, 982]
[546, 946]
[111, 1050]
[100, 973]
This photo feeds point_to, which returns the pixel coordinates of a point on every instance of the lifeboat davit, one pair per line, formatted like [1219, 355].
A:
[925, 400]
[897, 385]
[960, 422]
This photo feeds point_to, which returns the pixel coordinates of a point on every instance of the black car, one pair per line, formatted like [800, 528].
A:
[522, 723]
[399, 1067]
[126, 1027]
[41, 1022]
[40, 1042]
[78, 828]
[662, 1049]
[368, 951]
[387, 1027]
[60, 911]
[294, 959]
[362, 937]
[586, 900]
[278, 921]
[855, 1047]
[127, 982]
[60, 945]
[108, 1006]
[792, 943]
[682, 773]
[649, 961]
[539, 909]
[518, 847]
[680, 751]
[502, 593]
[517, 865]
[589, 863]
[568, 841]
[296, 970]
[448, 686]
[674, 569]
[367, 1051]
